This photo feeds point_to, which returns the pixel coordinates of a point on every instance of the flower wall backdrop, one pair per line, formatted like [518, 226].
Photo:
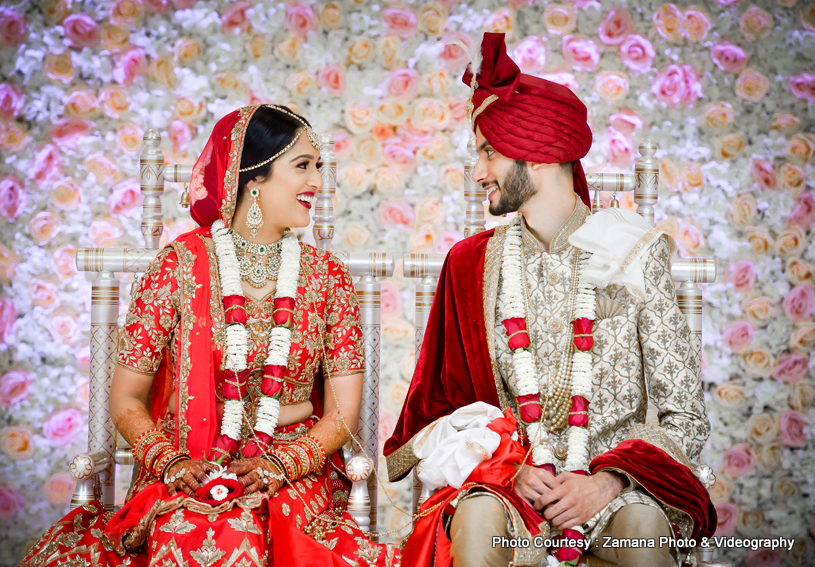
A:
[726, 89]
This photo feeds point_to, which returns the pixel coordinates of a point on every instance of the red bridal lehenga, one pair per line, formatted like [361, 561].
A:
[176, 329]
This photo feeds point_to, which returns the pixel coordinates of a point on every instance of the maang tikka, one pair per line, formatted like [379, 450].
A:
[254, 218]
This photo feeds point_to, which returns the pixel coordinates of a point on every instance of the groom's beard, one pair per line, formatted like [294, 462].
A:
[516, 189]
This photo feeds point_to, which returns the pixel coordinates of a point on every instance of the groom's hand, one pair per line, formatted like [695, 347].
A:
[579, 497]
[532, 483]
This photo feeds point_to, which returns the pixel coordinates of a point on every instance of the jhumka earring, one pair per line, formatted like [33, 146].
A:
[254, 218]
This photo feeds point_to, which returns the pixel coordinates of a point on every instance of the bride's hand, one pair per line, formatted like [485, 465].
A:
[257, 474]
[186, 476]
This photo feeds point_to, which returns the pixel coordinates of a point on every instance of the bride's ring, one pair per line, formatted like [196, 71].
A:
[176, 476]
[265, 476]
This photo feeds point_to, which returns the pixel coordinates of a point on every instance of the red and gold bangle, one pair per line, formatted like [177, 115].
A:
[144, 442]
[319, 450]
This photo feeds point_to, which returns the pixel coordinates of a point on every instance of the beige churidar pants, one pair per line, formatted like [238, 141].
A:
[479, 518]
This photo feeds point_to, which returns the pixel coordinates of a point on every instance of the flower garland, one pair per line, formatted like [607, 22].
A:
[237, 347]
[526, 387]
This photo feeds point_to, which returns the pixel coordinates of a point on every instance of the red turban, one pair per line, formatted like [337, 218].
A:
[527, 118]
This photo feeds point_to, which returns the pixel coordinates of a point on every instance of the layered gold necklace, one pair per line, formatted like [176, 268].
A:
[258, 263]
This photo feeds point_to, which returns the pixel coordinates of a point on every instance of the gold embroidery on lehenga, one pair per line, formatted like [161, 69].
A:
[209, 554]
[177, 524]
[244, 524]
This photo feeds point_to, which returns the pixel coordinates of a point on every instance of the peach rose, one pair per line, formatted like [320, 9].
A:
[125, 198]
[453, 56]
[70, 131]
[360, 51]
[800, 148]
[793, 429]
[432, 18]
[397, 331]
[730, 395]
[785, 488]
[8, 264]
[388, 181]
[798, 271]
[332, 79]
[439, 148]
[752, 86]
[452, 177]
[130, 65]
[499, 21]
[11, 502]
[59, 488]
[331, 16]
[302, 84]
[43, 294]
[439, 82]
[105, 233]
[64, 327]
[430, 113]
[759, 239]
[14, 385]
[530, 54]
[11, 102]
[637, 53]
[755, 23]
[758, 363]
[82, 103]
[353, 179]
[695, 24]
[13, 137]
[430, 211]
[403, 84]
[611, 86]
[725, 518]
[47, 164]
[799, 303]
[358, 117]
[808, 17]
[114, 101]
[803, 395]
[64, 259]
[396, 214]
[127, 13]
[300, 19]
[719, 116]
[129, 138]
[742, 274]
[12, 198]
[43, 227]
[103, 168]
[356, 236]
[187, 50]
[54, 11]
[731, 146]
[258, 45]
[792, 178]
[750, 522]
[13, 28]
[392, 112]
[790, 242]
[769, 455]
[369, 152]
[115, 38]
[63, 426]
[290, 49]
[66, 194]
[390, 51]
[615, 26]
[738, 335]
[758, 310]
[693, 179]
[690, 239]
[803, 214]
[81, 30]
[785, 122]
[791, 368]
[559, 19]
[668, 21]
[188, 110]
[729, 57]
[738, 460]
[669, 174]
[762, 428]
[401, 22]
[744, 209]
[382, 132]
[677, 85]
[17, 443]
[580, 52]
[59, 67]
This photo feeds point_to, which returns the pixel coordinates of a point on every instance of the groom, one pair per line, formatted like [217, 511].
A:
[570, 321]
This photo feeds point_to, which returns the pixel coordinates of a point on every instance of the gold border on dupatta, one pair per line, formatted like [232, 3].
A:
[235, 152]
[492, 271]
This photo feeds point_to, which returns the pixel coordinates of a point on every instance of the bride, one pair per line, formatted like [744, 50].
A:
[239, 377]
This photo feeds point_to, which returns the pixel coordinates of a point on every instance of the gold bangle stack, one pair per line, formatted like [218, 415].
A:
[154, 451]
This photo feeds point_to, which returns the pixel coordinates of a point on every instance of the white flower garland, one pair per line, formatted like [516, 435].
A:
[237, 345]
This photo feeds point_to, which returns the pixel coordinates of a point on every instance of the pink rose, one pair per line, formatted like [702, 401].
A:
[105, 233]
[184, 4]
[8, 317]
[803, 214]
[300, 19]
[11, 101]
[234, 17]
[391, 300]
[729, 57]
[763, 557]
[11, 502]
[43, 227]
[446, 240]
[581, 53]
[793, 429]
[14, 387]
[728, 2]
[332, 79]
[530, 54]
[803, 86]
[125, 198]
[69, 132]
[791, 368]
[799, 303]
[59, 488]
[677, 85]
[64, 259]
[180, 134]
[626, 121]
[414, 137]
[83, 359]
[738, 460]
[742, 274]
[615, 26]
[12, 28]
[396, 214]
[62, 427]
[387, 423]
[738, 335]
[567, 80]
[47, 164]
[403, 84]
[43, 294]
[343, 145]
[637, 53]
[726, 519]
[763, 172]
[453, 56]
[130, 65]
[397, 154]
[161, 7]
[458, 109]
[81, 30]
[401, 21]
[12, 198]
[63, 327]
[620, 150]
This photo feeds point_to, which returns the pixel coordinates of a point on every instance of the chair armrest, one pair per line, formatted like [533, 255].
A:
[358, 470]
